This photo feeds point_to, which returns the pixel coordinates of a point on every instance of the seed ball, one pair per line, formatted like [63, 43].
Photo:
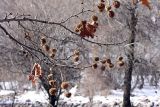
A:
[120, 58]
[46, 48]
[101, 6]
[64, 85]
[108, 61]
[94, 18]
[76, 30]
[53, 50]
[43, 41]
[111, 14]
[49, 77]
[116, 4]
[52, 55]
[121, 63]
[52, 91]
[76, 52]
[103, 68]
[108, 8]
[103, 61]
[111, 65]
[52, 82]
[76, 58]
[95, 66]
[68, 94]
[96, 58]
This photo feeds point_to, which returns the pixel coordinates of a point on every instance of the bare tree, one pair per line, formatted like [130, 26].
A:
[116, 36]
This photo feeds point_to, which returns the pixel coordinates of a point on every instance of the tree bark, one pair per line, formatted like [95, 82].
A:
[130, 55]
[52, 99]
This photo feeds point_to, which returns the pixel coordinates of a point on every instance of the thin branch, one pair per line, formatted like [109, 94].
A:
[12, 38]
[30, 48]
[59, 24]
[76, 15]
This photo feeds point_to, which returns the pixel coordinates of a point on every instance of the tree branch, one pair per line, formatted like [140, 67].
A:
[59, 24]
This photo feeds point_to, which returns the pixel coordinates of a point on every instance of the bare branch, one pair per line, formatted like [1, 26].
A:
[59, 24]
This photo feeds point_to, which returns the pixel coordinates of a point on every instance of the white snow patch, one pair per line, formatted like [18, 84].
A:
[73, 90]
[33, 96]
[6, 92]
[145, 96]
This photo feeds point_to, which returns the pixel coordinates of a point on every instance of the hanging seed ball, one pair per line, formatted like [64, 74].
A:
[49, 77]
[46, 48]
[101, 6]
[121, 63]
[116, 4]
[103, 61]
[43, 41]
[120, 58]
[68, 94]
[53, 50]
[108, 61]
[96, 59]
[111, 65]
[95, 66]
[64, 85]
[52, 91]
[108, 8]
[52, 55]
[52, 82]
[103, 68]
[76, 30]
[76, 52]
[111, 14]
[76, 58]
[94, 18]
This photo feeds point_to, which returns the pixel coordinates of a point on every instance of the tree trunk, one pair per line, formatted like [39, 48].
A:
[52, 99]
[130, 55]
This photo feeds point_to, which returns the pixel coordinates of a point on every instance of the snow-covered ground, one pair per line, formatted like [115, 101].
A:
[30, 97]
[147, 96]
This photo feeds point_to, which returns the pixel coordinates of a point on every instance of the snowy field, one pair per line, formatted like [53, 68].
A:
[146, 97]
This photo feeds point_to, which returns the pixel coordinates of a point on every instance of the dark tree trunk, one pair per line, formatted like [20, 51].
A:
[132, 22]
[52, 99]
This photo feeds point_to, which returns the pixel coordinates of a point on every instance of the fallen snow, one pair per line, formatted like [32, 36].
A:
[6, 92]
[6, 96]
[32, 96]
[146, 96]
